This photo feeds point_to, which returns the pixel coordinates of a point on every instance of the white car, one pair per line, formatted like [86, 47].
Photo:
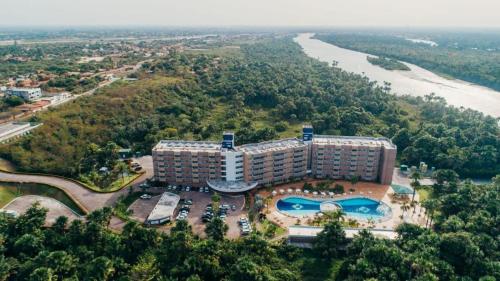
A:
[188, 188]
[146, 196]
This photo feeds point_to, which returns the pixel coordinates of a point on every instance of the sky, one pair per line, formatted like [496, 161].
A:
[392, 13]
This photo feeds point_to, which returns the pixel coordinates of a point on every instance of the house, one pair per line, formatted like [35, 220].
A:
[28, 94]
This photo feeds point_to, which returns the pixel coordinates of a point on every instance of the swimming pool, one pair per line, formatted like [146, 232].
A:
[358, 207]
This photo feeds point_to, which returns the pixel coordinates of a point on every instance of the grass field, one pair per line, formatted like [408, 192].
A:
[423, 193]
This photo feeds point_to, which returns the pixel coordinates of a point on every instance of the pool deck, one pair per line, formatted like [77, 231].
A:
[371, 190]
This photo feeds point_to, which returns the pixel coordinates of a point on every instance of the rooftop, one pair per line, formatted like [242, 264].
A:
[274, 145]
[231, 186]
[165, 207]
[312, 231]
[180, 145]
[23, 89]
[353, 140]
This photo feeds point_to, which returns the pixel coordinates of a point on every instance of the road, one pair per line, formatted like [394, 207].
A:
[87, 198]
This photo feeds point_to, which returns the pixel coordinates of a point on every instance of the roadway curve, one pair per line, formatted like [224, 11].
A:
[89, 199]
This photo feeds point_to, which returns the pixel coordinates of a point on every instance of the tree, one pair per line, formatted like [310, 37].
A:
[337, 215]
[415, 176]
[122, 168]
[100, 268]
[330, 241]
[216, 229]
[42, 274]
[354, 180]
[404, 207]
[430, 206]
[145, 269]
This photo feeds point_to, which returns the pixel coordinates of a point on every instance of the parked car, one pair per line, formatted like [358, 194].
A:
[188, 188]
[146, 196]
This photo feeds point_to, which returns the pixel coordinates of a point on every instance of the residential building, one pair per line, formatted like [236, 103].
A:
[229, 168]
[28, 94]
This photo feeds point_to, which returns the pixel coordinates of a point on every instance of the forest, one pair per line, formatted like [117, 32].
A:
[475, 60]
[387, 63]
[461, 244]
[269, 89]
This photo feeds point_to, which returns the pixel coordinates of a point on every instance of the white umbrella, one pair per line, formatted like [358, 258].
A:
[331, 193]
[282, 191]
[274, 192]
[298, 190]
[315, 193]
[306, 191]
[323, 194]
[290, 190]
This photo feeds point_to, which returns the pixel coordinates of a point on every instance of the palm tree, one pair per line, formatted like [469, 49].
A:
[415, 176]
[122, 168]
[404, 207]
[337, 215]
[413, 204]
[430, 206]
[354, 180]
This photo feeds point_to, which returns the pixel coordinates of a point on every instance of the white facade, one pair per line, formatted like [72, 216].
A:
[233, 165]
[28, 94]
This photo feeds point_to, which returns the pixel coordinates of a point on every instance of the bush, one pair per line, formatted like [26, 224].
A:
[338, 188]
[281, 126]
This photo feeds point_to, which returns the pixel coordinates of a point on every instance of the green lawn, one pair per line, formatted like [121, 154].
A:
[118, 184]
[6, 195]
[423, 193]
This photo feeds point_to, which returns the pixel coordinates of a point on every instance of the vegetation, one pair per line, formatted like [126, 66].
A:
[197, 96]
[387, 63]
[470, 57]
[9, 191]
[461, 245]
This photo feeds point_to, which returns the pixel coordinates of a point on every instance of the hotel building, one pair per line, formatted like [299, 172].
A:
[229, 168]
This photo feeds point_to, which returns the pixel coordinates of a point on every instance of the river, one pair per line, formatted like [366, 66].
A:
[416, 82]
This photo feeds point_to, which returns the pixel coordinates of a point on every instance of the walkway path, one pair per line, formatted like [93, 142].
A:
[55, 208]
[89, 199]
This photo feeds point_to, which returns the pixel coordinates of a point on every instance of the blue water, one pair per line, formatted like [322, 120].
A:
[363, 208]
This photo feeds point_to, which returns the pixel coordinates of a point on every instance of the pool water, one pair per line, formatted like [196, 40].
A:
[360, 207]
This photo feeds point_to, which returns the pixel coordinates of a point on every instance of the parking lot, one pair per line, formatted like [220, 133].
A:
[141, 209]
